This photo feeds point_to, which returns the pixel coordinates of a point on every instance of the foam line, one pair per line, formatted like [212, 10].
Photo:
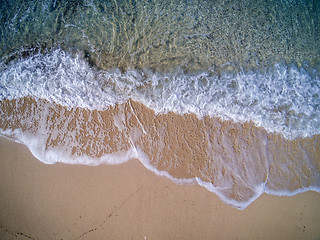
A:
[283, 99]
[37, 148]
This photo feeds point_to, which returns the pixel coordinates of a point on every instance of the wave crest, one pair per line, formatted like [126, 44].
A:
[282, 99]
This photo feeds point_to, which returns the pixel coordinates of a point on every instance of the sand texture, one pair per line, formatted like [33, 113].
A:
[238, 161]
[127, 201]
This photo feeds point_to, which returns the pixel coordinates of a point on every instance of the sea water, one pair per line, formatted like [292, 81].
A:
[220, 93]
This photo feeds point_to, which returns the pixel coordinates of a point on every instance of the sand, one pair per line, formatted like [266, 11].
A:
[127, 201]
[235, 157]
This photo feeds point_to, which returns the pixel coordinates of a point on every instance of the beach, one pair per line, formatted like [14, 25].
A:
[127, 201]
[159, 119]
[236, 161]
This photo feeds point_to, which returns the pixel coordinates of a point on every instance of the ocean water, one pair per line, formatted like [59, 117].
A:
[224, 94]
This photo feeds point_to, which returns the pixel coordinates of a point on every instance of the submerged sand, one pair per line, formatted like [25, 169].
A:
[127, 201]
[238, 161]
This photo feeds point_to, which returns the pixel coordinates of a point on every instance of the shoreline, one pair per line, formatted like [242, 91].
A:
[61, 201]
[236, 161]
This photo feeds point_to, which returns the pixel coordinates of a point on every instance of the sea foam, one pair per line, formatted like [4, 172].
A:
[235, 161]
[283, 99]
[37, 147]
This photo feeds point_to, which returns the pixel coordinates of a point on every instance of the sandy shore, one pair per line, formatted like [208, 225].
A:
[127, 201]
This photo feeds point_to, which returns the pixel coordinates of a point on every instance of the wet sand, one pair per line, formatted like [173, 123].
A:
[127, 201]
[236, 160]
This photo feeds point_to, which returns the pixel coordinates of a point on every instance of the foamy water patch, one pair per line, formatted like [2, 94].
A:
[38, 149]
[291, 193]
[238, 162]
[258, 190]
[37, 146]
[283, 99]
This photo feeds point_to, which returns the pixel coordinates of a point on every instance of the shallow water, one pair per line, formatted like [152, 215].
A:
[218, 93]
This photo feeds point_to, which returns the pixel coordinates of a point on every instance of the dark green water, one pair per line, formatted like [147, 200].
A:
[162, 35]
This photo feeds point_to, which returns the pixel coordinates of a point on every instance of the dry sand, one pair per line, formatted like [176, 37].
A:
[40, 201]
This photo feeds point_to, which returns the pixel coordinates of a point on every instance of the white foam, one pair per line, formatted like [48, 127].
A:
[119, 121]
[143, 158]
[36, 145]
[288, 193]
[258, 190]
[284, 99]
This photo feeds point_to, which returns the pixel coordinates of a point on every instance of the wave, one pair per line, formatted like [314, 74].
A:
[200, 93]
[281, 99]
[236, 133]
[238, 162]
